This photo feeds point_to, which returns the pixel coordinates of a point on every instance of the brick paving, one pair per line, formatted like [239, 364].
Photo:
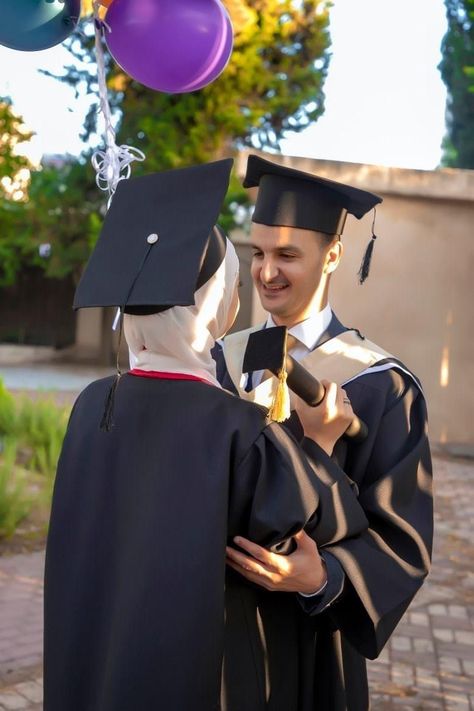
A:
[428, 664]
[429, 661]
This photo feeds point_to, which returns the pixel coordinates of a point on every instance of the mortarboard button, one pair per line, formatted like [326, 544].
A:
[152, 239]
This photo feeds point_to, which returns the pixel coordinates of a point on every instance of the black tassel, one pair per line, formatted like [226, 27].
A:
[364, 270]
[107, 421]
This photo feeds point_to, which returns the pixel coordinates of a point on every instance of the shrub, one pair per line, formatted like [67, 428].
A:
[40, 427]
[15, 501]
[31, 436]
[7, 411]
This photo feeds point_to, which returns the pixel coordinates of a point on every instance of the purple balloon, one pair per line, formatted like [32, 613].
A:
[174, 46]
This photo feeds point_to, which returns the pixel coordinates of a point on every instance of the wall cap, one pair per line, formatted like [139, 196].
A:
[443, 183]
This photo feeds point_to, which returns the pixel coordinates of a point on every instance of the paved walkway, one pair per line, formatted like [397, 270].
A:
[428, 664]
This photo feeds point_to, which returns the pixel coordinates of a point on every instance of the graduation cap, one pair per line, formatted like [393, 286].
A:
[267, 349]
[158, 244]
[292, 198]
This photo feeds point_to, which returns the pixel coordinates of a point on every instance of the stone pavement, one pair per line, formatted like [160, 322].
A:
[428, 664]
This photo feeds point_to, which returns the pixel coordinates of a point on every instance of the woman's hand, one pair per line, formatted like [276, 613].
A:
[327, 422]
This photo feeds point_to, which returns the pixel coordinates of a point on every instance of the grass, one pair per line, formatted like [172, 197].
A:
[31, 435]
[15, 499]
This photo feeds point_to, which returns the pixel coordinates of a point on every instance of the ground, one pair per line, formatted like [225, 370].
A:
[427, 664]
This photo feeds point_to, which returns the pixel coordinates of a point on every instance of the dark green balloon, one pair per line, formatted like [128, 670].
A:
[30, 25]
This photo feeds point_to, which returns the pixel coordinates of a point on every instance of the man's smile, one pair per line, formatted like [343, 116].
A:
[273, 288]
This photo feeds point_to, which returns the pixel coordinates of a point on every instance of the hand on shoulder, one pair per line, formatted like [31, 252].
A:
[327, 422]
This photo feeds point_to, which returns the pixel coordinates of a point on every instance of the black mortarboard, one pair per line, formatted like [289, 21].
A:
[157, 244]
[292, 198]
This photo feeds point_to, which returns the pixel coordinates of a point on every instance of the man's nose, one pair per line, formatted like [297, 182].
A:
[269, 270]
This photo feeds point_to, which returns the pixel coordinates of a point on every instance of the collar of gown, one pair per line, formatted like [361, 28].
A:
[311, 329]
[161, 375]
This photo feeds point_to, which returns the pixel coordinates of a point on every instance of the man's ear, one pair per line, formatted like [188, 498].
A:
[333, 256]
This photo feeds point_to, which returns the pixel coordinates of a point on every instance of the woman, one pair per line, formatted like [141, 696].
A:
[135, 568]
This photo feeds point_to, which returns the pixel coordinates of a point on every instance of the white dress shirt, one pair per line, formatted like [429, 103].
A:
[307, 333]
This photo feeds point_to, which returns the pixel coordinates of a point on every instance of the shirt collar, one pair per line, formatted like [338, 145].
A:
[311, 329]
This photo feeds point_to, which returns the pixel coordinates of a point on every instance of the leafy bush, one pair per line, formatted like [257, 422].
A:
[7, 411]
[15, 499]
[40, 427]
[31, 436]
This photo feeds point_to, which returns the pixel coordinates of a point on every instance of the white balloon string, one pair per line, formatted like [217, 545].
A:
[114, 163]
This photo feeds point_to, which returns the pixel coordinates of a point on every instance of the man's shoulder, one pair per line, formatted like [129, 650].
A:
[391, 379]
[387, 372]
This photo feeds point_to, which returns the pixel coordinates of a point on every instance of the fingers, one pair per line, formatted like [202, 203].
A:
[305, 542]
[252, 569]
[266, 580]
[258, 552]
[246, 562]
[345, 404]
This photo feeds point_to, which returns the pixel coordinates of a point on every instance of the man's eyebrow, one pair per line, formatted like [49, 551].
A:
[289, 248]
[281, 248]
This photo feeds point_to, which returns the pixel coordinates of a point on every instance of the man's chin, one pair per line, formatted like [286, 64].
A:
[274, 304]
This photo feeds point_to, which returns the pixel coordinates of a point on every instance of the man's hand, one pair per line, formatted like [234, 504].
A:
[302, 571]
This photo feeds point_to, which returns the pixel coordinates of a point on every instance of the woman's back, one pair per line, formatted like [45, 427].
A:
[141, 515]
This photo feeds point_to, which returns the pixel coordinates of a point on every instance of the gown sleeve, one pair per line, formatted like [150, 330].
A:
[277, 490]
[386, 564]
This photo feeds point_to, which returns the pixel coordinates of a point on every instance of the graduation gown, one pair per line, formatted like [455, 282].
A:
[137, 609]
[386, 564]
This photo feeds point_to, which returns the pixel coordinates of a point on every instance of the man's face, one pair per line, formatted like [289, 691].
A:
[287, 266]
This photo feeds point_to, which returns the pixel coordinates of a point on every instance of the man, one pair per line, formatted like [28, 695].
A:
[371, 578]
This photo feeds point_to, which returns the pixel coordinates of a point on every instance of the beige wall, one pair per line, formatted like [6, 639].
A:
[418, 301]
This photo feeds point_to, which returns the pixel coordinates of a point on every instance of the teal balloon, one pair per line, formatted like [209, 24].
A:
[31, 25]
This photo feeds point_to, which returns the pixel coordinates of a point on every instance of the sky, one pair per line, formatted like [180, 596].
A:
[384, 104]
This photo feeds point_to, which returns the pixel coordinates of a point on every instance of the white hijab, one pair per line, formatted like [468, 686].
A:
[180, 339]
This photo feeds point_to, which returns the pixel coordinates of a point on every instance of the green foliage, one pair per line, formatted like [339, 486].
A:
[7, 411]
[273, 84]
[40, 427]
[15, 500]
[63, 211]
[457, 71]
[14, 180]
[31, 437]
[12, 134]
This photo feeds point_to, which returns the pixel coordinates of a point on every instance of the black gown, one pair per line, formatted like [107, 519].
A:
[137, 608]
[386, 564]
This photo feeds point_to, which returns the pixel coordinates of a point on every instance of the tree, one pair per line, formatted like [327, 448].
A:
[14, 168]
[457, 71]
[272, 84]
[61, 221]
[14, 181]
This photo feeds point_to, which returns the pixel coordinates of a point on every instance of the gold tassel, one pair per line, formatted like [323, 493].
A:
[280, 408]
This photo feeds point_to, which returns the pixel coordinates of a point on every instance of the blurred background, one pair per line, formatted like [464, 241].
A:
[372, 93]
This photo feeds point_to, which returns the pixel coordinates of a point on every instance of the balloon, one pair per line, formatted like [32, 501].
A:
[174, 46]
[30, 25]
